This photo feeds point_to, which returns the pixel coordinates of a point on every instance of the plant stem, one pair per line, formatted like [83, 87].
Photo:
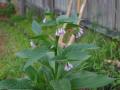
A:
[56, 52]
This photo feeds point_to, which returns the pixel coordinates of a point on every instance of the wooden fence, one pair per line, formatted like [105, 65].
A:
[104, 12]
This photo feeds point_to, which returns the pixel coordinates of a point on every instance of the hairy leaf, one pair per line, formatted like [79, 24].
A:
[81, 47]
[40, 57]
[36, 27]
[32, 53]
[32, 73]
[86, 79]
[15, 84]
[77, 56]
[63, 84]
[63, 19]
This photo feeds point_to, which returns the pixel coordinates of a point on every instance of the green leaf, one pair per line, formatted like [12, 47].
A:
[40, 57]
[42, 37]
[36, 27]
[60, 71]
[47, 72]
[63, 19]
[31, 72]
[52, 65]
[77, 52]
[32, 53]
[35, 55]
[15, 84]
[81, 47]
[51, 55]
[86, 79]
[77, 56]
[49, 23]
[63, 84]
[74, 17]
[72, 25]
[44, 40]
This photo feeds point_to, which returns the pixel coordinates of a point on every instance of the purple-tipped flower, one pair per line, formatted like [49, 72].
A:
[44, 20]
[80, 33]
[68, 67]
[32, 44]
[60, 32]
[81, 30]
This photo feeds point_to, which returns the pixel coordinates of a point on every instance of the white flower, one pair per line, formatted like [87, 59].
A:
[81, 30]
[68, 67]
[32, 44]
[60, 32]
[80, 33]
[44, 20]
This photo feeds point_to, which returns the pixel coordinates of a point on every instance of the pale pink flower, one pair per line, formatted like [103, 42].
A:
[80, 33]
[68, 67]
[60, 32]
[44, 20]
[32, 44]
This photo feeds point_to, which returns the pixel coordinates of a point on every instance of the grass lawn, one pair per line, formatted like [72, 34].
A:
[11, 41]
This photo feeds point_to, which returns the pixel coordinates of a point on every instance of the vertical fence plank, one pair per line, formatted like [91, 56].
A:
[61, 5]
[103, 12]
[118, 15]
[111, 14]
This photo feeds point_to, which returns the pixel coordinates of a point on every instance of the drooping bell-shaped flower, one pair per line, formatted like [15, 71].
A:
[60, 32]
[32, 44]
[80, 33]
[44, 20]
[68, 66]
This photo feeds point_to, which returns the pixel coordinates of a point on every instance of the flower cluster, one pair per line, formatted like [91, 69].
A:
[60, 32]
[80, 33]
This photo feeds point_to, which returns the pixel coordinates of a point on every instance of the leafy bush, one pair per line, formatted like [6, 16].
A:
[9, 10]
[50, 67]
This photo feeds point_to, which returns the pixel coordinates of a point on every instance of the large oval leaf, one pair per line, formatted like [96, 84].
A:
[36, 27]
[16, 84]
[32, 53]
[63, 84]
[81, 47]
[63, 19]
[86, 79]
[77, 56]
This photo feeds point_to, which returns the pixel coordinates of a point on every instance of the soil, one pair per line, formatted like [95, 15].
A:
[3, 18]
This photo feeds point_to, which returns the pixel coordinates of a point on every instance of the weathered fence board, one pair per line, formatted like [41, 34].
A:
[118, 15]
[104, 12]
[60, 4]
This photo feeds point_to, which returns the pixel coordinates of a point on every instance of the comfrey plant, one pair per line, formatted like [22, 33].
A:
[55, 68]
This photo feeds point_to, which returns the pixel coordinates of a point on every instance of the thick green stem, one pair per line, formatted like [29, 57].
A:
[56, 52]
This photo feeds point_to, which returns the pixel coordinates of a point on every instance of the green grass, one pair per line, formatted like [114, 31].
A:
[108, 50]
[14, 42]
